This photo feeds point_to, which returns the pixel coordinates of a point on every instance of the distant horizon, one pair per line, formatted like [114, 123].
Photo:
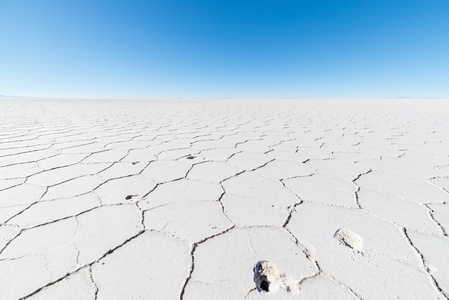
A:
[305, 49]
[249, 98]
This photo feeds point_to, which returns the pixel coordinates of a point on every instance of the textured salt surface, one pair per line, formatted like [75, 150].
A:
[224, 199]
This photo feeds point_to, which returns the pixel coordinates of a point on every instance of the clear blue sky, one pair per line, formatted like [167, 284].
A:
[225, 48]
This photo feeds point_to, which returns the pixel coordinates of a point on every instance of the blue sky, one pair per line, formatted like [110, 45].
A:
[226, 48]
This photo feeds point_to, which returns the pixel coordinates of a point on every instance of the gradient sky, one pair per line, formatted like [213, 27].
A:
[225, 48]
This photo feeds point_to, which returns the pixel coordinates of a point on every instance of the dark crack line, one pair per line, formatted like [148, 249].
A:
[431, 214]
[86, 265]
[423, 261]
[191, 268]
[344, 286]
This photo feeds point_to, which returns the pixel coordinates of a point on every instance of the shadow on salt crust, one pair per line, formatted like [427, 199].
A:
[268, 279]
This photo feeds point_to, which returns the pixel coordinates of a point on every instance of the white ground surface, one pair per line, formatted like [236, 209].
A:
[180, 199]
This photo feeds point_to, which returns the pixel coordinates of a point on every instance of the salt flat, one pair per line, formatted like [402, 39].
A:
[169, 199]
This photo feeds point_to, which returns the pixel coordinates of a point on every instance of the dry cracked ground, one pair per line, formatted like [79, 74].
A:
[338, 199]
